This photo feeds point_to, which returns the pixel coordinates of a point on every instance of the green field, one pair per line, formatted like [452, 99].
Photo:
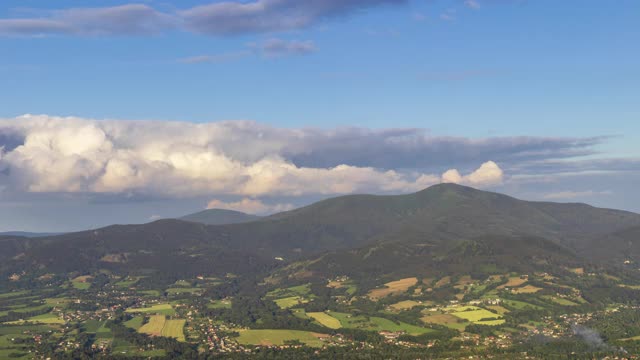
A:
[289, 302]
[300, 290]
[299, 313]
[49, 318]
[520, 305]
[377, 324]
[14, 354]
[278, 337]
[476, 315]
[559, 300]
[13, 294]
[135, 323]
[174, 329]
[128, 281]
[164, 309]
[325, 320]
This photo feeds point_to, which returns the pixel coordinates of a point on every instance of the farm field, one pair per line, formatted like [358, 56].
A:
[82, 282]
[154, 326]
[476, 315]
[174, 329]
[289, 302]
[497, 308]
[447, 320]
[520, 305]
[49, 318]
[279, 337]
[290, 297]
[165, 309]
[128, 281]
[135, 323]
[326, 320]
[376, 324]
[393, 287]
[527, 289]
[514, 281]
[559, 300]
[404, 305]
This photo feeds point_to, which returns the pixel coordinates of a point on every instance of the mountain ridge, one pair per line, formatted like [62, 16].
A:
[429, 226]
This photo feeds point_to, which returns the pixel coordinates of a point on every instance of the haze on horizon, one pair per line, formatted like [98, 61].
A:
[125, 112]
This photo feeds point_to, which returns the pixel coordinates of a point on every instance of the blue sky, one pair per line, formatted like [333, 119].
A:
[480, 69]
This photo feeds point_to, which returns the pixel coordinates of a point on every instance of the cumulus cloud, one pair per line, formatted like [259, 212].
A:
[247, 159]
[217, 18]
[488, 174]
[250, 206]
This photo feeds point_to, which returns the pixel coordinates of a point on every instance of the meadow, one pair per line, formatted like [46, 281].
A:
[279, 337]
[325, 320]
[374, 323]
[164, 309]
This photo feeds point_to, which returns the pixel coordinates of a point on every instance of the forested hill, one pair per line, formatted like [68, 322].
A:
[441, 218]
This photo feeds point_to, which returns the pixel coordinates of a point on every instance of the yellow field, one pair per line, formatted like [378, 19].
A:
[325, 319]
[404, 305]
[174, 329]
[528, 289]
[514, 281]
[393, 287]
[476, 315]
[154, 326]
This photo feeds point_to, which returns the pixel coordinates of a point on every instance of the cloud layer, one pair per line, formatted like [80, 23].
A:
[217, 18]
[45, 154]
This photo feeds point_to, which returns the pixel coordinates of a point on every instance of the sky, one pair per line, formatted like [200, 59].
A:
[125, 112]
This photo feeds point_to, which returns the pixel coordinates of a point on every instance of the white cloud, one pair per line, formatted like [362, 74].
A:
[250, 206]
[179, 159]
[489, 173]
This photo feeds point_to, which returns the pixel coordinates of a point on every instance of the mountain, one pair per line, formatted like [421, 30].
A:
[27, 234]
[443, 228]
[220, 217]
